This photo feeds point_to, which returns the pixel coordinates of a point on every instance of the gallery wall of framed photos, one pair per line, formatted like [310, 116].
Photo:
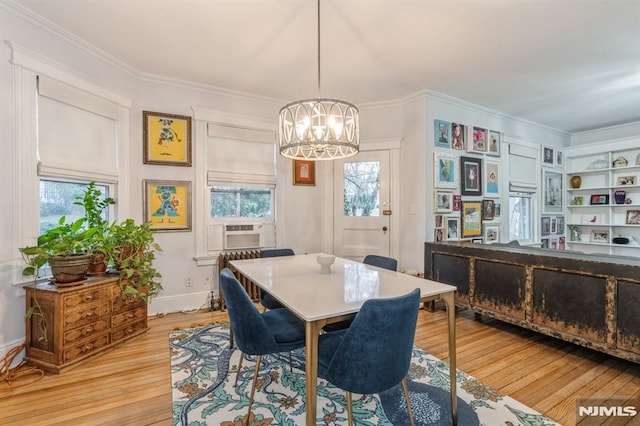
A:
[467, 180]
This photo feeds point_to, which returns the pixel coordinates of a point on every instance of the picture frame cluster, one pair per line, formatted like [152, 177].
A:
[552, 232]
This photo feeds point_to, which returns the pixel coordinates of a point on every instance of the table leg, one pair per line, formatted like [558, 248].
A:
[311, 352]
[449, 300]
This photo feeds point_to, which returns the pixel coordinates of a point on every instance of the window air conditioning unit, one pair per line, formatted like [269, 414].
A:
[243, 236]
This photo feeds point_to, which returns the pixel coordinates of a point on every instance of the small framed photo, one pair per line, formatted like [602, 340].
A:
[495, 138]
[167, 139]
[545, 226]
[439, 221]
[457, 136]
[457, 202]
[304, 172]
[599, 199]
[562, 243]
[453, 225]
[578, 200]
[600, 236]
[559, 159]
[560, 227]
[478, 140]
[626, 180]
[471, 175]
[438, 235]
[544, 243]
[548, 155]
[491, 178]
[552, 191]
[443, 201]
[167, 205]
[445, 170]
[488, 209]
[491, 234]
[633, 217]
[471, 219]
[554, 225]
[553, 243]
[442, 133]
[497, 210]
[591, 219]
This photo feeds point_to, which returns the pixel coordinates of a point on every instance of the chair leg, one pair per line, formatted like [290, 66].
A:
[253, 386]
[290, 362]
[405, 388]
[349, 410]
[239, 368]
[230, 338]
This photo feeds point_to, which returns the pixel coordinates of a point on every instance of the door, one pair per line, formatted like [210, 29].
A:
[361, 205]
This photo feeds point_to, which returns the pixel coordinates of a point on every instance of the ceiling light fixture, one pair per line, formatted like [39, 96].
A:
[319, 129]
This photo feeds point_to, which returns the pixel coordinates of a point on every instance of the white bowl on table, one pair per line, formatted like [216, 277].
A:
[325, 261]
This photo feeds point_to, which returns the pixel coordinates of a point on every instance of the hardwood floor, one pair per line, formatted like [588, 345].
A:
[131, 383]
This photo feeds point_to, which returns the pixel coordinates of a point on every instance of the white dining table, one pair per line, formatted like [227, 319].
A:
[320, 298]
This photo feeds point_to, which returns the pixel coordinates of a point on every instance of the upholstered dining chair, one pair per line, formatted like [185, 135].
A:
[374, 354]
[257, 333]
[370, 259]
[267, 300]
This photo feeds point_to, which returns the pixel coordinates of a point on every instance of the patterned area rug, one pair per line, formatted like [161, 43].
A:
[203, 371]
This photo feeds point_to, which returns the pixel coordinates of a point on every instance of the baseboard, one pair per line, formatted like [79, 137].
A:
[179, 303]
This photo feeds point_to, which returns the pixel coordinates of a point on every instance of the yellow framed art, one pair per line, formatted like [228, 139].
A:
[167, 139]
[167, 205]
[471, 219]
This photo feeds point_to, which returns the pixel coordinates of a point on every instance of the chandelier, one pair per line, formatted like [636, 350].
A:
[319, 129]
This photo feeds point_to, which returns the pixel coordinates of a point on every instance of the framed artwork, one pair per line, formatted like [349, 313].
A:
[167, 205]
[478, 140]
[471, 175]
[559, 159]
[491, 178]
[552, 192]
[452, 229]
[488, 209]
[445, 170]
[578, 200]
[167, 139]
[554, 225]
[471, 219]
[439, 221]
[553, 243]
[562, 243]
[633, 217]
[438, 235]
[599, 236]
[599, 199]
[442, 133]
[560, 227]
[626, 180]
[548, 155]
[591, 219]
[457, 202]
[443, 201]
[457, 136]
[304, 172]
[491, 234]
[545, 226]
[493, 148]
[497, 210]
[544, 243]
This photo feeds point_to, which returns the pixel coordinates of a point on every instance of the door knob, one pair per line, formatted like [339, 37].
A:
[384, 228]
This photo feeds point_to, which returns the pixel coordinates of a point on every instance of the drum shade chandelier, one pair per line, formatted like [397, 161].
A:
[319, 129]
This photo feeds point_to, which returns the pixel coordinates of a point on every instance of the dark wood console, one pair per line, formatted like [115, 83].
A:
[589, 300]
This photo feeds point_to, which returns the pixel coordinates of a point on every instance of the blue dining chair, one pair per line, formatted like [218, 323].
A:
[370, 259]
[257, 333]
[267, 300]
[374, 354]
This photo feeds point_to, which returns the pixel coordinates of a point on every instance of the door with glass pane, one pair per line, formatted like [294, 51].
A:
[361, 203]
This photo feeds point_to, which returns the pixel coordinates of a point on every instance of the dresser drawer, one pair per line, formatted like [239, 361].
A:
[120, 303]
[87, 347]
[81, 298]
[128, 330]
[85, 331]
[88, 314]
[128, 316]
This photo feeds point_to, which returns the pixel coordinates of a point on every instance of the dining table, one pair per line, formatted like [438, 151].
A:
[320, 297]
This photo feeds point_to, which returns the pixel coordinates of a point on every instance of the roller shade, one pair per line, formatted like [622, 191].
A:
[523, 169]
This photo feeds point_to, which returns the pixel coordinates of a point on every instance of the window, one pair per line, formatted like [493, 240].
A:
[521, 217]
[57, 199]
[362, 188]
[241, 202]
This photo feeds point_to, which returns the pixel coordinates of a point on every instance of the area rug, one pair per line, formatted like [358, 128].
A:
[203, 371]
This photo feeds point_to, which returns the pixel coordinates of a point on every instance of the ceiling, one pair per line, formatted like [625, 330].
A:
[573, 65]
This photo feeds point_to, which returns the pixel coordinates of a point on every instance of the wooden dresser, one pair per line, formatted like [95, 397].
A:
[81, 321]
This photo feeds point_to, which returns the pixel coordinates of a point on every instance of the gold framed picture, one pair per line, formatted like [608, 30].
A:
[471, 219]
[167, 139]
[304, 172]
[167, 205]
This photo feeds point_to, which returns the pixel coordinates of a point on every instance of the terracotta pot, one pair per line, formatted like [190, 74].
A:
[98, 264]
[575, 181]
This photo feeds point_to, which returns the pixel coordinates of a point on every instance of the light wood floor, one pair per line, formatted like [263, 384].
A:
[131, 383]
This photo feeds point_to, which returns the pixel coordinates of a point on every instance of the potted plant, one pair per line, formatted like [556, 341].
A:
[133, 250]
[99, 246]
[64, 248]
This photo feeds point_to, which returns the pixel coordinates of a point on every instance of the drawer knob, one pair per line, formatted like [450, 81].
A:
[129, 330]
[88, 314]
[88, 330]
[130, 315]
[88, 297]
[87, 348]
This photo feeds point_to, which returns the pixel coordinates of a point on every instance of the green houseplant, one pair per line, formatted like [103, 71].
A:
[99, 245]
[133, 250]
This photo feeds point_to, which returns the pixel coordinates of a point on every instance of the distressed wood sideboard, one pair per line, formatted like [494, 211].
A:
[80, 321]
[589, 300]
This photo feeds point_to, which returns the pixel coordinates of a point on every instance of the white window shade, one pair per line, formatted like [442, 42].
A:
[240, 157]
[77, 133]
[523, 169]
